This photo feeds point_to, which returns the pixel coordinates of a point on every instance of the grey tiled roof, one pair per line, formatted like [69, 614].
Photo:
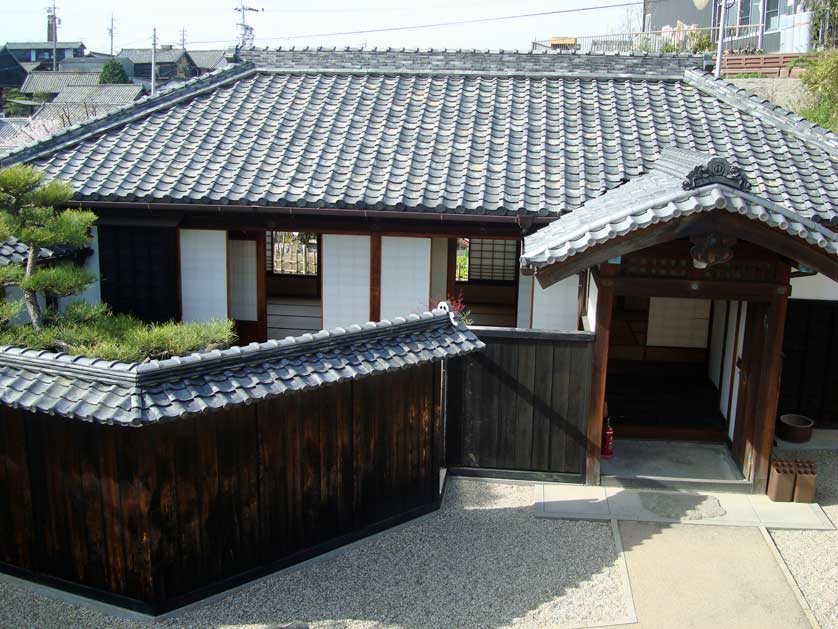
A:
[468, 141]
[664, 194]
[432, 60]
[45, 82]
[12, 251]
[143, 55]
[99, 94]
[136, 394]
[40, 45]
[209, 59]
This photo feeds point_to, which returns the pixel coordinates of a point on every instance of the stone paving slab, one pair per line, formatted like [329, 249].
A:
[578, 502]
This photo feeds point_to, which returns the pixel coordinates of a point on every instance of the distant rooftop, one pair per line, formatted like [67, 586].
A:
[45, 82]
[143, 55]
[38, 45]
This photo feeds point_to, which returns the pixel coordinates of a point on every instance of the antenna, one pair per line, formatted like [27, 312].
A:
[153, 61]
[110, 33]
[245, 30]
[182, 32]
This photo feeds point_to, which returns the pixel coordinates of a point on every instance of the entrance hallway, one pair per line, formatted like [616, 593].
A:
[635, 458]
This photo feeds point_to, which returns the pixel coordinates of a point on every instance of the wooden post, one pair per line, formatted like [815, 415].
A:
[604, 304]
[769, 387]
[375, 277]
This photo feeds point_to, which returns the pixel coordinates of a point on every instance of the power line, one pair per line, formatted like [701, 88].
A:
[439, 24]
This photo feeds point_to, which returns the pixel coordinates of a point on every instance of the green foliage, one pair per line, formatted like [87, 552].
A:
[462, 265]
[113, 72]
[824, 21]
[10, 275]
[821, 79]
[57, 281]
[18, 109]
[669, 48]
[28, 212]
[91, 330]
[9, 309]
[702, 43]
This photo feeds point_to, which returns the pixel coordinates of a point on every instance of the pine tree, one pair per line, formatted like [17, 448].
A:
[28, 212]
[113, 72]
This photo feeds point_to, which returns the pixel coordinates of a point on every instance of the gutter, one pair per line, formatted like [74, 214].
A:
[523, 221]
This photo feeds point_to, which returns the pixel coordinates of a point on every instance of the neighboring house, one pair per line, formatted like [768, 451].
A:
[93, 63]
[171, 63]
[12, 72]
[637, 190]
[209, 60]
[42, 51]
[785, 24]
[44, 82]
[10, 133]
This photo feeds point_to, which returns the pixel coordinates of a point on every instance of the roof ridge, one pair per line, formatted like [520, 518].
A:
[482, 51]
[763, 109]
[530, 74]
[131, 111]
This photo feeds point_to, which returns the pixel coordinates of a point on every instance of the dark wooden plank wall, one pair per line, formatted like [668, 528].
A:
[164, 514]
[521, 404]
[139, 271]
[809, 383]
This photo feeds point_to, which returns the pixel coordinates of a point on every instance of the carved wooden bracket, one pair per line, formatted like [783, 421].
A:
[711, 248]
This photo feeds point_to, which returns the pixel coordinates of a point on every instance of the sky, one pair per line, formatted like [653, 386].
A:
[212, 23]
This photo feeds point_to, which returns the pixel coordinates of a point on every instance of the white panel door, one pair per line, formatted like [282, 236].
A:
[405, 276]
[345, 268]
[244, 304]
[203, 274]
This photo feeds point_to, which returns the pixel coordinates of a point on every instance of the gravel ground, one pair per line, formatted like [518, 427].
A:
[812, 556]
[482, 560]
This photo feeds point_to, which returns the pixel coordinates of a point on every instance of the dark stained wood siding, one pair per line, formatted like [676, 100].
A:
[155, 517]
[521, 404]
[809, 384]
[139, 271]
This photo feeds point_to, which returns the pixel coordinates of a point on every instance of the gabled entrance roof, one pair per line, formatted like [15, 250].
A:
[680, 184]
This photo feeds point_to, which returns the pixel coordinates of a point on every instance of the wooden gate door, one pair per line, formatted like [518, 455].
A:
[246, 284]
[753, 349]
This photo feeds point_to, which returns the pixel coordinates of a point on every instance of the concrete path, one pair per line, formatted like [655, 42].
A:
[572, 502]
[697, 577]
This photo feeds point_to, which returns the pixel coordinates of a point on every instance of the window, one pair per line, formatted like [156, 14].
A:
[480, 259]
[772, 15]
[291, 253]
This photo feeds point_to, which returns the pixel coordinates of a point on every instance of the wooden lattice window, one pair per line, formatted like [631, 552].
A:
[492, 260]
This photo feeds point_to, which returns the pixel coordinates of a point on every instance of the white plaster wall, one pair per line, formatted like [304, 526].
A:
[203, 274]
[93, 293]
[439, 270]
[244, 304]
[525, 287]
[742, 329]
[346, 280]
[405, 275]
[593, 293]
[675, 322]
[717, 339]
[724, 386]
[556, 307]
[814, 287]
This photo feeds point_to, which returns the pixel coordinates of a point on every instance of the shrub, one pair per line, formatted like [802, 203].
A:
[91, 330]
[113, 72]
[821, 79]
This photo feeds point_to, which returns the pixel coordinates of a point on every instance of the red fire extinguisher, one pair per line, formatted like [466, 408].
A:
[607, 440]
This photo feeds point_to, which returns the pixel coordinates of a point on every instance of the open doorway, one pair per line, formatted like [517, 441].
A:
[293, 283]
[660, 382]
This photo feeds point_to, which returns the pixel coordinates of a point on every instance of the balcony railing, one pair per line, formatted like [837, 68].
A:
[740, 39]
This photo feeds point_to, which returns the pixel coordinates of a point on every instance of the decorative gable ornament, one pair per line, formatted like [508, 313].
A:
[717, 170]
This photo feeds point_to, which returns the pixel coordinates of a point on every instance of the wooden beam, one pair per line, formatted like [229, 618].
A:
[451, 269]
[709, 289]
[766, 414]
[604, 305]
[375, 277]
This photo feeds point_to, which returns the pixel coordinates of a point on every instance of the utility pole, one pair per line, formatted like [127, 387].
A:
[53, 20]
[245, 30]
[720, 49]
[153, 59]
[183, 37]
[110, 33]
